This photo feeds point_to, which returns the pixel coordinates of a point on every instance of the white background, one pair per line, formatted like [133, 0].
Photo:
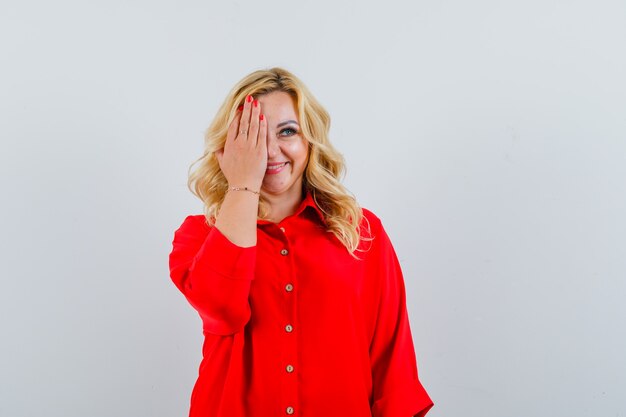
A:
[489, 136]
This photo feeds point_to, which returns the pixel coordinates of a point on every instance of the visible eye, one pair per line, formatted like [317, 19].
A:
[288, 131]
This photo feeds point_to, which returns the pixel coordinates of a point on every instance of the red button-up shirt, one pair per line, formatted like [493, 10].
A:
[297, 326]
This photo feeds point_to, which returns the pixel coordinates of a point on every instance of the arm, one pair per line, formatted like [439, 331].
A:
[397, 391]
[214, 275]
[243, 162]
[214, 267]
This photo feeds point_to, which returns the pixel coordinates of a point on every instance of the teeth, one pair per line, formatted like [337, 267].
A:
[276, 166]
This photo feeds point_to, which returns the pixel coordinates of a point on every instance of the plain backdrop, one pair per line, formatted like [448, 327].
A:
[489, 136]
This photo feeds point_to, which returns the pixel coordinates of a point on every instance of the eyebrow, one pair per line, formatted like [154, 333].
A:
[286, 123]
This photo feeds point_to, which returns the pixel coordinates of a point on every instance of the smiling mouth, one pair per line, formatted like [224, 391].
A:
[276, 166]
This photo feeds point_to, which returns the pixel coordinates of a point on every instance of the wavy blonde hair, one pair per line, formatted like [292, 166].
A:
[323, 172]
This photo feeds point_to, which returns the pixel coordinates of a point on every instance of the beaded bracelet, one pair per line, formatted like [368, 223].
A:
[244, 189]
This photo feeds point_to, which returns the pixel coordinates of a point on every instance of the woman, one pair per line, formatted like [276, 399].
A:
[299, 290]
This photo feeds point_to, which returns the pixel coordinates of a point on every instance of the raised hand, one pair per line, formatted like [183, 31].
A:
[243, 162]
[244, 157]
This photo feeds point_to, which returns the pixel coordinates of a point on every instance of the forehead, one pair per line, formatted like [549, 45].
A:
[278, 105]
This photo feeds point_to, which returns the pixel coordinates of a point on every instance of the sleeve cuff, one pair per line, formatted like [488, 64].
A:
[408, 400]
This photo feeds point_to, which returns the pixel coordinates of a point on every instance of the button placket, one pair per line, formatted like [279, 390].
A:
[289, 397]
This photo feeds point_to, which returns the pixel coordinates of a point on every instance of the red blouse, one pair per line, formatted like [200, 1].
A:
[295, 325]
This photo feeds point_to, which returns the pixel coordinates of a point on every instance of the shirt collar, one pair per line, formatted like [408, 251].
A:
[308, 203]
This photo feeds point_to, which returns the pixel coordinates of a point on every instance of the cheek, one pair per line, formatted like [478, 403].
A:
[296, 150]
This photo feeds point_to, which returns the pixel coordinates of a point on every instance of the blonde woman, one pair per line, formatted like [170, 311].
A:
[299, 289]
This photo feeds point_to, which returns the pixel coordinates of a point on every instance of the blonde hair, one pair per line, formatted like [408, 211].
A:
[323, 172]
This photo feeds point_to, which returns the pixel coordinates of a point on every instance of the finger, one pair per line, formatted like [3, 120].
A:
[253, 129]
[262, 138]
[244, 123]
[234, 127]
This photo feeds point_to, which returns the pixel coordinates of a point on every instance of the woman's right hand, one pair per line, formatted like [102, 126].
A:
[243, 160]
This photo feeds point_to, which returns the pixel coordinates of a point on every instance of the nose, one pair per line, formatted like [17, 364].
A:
[273, 149]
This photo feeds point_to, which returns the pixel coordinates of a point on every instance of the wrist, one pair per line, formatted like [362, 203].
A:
[244, 188]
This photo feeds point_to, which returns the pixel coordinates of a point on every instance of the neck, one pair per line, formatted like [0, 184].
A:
[283, 205]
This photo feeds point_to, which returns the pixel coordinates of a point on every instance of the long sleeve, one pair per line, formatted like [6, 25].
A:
[214, 275]
[397, 391]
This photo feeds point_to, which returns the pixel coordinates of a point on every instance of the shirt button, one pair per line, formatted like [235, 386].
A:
[284, 252]
[289, 328]
[282, 229]
[289, 410]
[289, 368]
[289, 287]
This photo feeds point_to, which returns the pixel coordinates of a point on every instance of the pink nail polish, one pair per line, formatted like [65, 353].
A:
[249, 99]
[262, 117]
[240, 108]
[256, 103]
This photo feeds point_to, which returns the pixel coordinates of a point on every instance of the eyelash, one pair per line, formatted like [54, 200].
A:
[295, 132]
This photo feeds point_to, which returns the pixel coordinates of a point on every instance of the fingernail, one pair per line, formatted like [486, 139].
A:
[262, 117]
[249, 99]
[240, 108]
[256, 103]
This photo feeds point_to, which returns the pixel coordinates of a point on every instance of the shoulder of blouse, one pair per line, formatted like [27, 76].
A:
[371, 222]
[193, 230]
[195, 222]
[198, 218]
[372, 235]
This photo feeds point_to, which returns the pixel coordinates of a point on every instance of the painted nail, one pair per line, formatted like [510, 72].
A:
[240, 108]
[249, 99]
[256, 103]
[262, 117]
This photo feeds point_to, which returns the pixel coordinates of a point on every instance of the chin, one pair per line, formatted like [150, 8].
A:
[273, 189]
[276, 189]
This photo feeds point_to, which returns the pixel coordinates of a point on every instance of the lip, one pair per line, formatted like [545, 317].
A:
[275, 168]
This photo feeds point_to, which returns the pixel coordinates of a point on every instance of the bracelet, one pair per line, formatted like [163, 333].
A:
[244, 189]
